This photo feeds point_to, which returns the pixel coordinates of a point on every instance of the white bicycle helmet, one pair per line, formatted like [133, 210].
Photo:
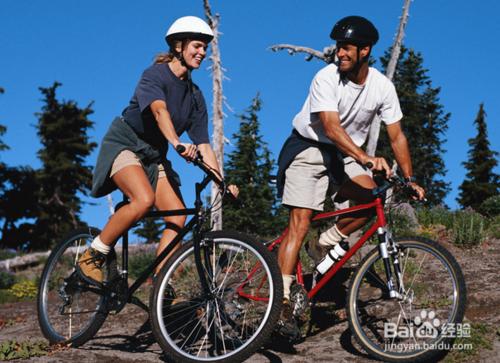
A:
[189, 27]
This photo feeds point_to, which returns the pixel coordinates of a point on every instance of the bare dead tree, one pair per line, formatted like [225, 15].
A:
[371, 146]
[217, 106]
[328, 54]
[110, 204]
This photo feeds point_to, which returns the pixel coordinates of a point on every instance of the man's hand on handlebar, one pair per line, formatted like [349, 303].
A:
[375, 163]
[419, 192]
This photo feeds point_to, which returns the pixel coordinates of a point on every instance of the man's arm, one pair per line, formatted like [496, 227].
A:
[399, 146]
[336, 133]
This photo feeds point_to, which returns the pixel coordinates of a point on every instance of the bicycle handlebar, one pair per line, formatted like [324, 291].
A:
[394, 180]
[212, 175]
[397, 181]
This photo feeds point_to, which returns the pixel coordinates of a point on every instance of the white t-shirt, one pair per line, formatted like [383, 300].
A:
[356, 104]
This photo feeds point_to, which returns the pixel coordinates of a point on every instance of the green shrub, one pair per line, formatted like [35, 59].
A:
[6, 254]
[468, 228]
[7, 297]
[490, 207]
[493, 230]
[6, 280]
[433, 216]
[401, 224]
[138, 262]
[11, 349]
[24, 290]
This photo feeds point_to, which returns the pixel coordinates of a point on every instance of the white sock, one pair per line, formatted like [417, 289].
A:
[287, 282]
[100, 246]
[331, 237]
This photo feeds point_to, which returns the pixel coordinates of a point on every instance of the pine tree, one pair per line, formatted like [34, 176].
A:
[481, 182]
[250, 166]
[424, 124]
[62, 128]
[17, 200]
[3, 147]
[150, 230]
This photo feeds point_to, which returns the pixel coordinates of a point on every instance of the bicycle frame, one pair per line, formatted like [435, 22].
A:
[378, 226]
[194, 224]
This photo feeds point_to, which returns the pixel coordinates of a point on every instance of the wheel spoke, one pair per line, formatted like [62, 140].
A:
[390, 328]
[69, 310]
[226, 324]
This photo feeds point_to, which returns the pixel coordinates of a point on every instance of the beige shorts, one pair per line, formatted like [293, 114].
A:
[127, 158]
[307, 183]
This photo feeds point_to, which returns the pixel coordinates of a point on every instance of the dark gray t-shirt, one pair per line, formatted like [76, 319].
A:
[185, 104]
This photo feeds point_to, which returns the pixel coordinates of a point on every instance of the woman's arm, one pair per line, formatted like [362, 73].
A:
[166, 126]
[208, 155]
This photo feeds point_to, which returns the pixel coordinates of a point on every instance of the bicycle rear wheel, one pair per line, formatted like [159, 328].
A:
[69, 310]
[416, 326]
[238, 315]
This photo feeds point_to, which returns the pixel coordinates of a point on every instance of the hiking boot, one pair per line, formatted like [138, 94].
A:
[287, 325]
[91, 266]
[316, 251]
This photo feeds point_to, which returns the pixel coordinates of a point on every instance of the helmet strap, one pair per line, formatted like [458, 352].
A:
[180, 56]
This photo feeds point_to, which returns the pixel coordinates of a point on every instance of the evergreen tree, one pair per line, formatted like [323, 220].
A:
[424, 124]
[250, 166]
[18, 201]
[3, 147]
[62, 128]
[150, 230]
[481, 182]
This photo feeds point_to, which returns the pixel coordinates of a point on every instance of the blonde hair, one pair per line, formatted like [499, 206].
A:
[164, 58]
[168, 56]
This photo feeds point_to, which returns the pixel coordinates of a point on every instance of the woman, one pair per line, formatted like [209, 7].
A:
[164, 105]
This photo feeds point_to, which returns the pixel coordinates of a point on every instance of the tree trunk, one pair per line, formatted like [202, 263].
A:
[218, 113]
[371, 146]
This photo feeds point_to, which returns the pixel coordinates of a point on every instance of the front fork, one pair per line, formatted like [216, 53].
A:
[388, 249]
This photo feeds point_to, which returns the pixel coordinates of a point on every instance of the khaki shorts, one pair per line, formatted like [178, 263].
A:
[307, 183]
[127, 158]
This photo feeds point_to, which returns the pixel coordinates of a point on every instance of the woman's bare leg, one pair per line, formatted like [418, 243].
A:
[168, 198]
[132, 181]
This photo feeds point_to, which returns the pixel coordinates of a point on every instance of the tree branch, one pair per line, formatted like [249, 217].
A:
[327, 55]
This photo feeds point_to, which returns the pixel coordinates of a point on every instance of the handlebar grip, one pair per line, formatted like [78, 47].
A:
[180, 148]
[369, 165]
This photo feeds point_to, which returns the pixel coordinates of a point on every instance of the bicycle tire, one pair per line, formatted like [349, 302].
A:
[237, 320]
[66, 326]
[368, 301]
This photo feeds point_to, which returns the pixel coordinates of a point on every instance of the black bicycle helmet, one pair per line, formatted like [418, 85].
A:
[356, 30]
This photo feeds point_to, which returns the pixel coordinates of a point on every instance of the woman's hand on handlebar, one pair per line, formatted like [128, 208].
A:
[234, 190]
[377, 163]
[187, 151]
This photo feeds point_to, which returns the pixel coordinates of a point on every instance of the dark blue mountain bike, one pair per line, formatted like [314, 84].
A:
[199, 310]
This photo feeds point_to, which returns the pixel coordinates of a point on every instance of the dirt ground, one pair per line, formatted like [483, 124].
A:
[127, 337]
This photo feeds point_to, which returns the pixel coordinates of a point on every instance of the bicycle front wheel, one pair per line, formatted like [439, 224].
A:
[416, 326]
[232, 320]
[69, 310]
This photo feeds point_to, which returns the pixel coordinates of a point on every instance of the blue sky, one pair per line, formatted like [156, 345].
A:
[98, 49]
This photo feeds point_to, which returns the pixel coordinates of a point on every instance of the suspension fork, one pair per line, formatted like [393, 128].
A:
[197, 240]
[384, 244]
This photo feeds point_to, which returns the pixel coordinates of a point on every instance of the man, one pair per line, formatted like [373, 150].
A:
[328, 134]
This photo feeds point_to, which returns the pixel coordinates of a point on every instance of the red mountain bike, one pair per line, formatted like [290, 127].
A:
[406, 297]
